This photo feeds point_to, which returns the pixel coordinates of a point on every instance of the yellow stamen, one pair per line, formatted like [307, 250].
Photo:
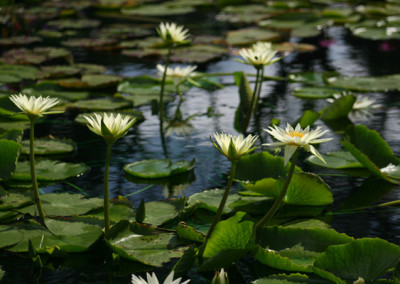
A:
[295, 133]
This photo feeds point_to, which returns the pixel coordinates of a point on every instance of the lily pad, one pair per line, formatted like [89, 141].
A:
[19, 40]
[16, 73]
[199, 53]
[210, 200]
[48, 170]
[158, 168]
[92, 43]
[336, 160]
[9, 153]
[49, 146]
[143, 244]
[36, 56]
[250, 35]
[15, 200]
[13, 234]
[65, 204]
[53, 89]
[158, 10]
[161, 212]
[378, 256]
[367, 84]
[102, 104]
[55, 72]
[91, 81]
[312, 78]
[73, 24]
[316, 92]
[246, 14]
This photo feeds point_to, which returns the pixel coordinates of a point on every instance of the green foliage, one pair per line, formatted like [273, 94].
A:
[245, 95]
[49, 146]
[9, 153]
[140, 212]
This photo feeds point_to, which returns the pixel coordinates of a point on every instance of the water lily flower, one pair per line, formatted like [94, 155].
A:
[259, 55]
[220, 277]
[362, 107]
[298, 137]
[177, 72]
[233, 147]
[152, 279]
[171, 33]
[392, 170]
[34, 107]
[111, 127]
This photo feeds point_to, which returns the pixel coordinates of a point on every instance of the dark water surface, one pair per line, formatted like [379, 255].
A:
[345, 54]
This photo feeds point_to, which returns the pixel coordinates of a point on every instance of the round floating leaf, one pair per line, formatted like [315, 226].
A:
[189, 233]
[283, 278]
[164, 9]
[52, 89]
[340, 108]
[367, 84]
[91, 81]
[49, 146]
[196, 54]
[336, 160]
[316, 92]
[140, 243]
[73, 24]
[250, 13]
[158, 168]
[102, 104]
[13, 234]
[366, 258]
[48, 170]
[19, 40]
[210, 199]
[250, 35]
[15, 200]
[65, 204]
[19, 72]
[313, 78]
[92, 43]
[158, 213]
[9, 153]
[54, 72]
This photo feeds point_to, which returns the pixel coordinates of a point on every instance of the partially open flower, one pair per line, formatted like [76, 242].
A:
[171, 33]
[109, 126]
[177, 72]
[34, 107]
[220, 277]
[298, 137]
[259, 55]
[233, 147]
[152, 279]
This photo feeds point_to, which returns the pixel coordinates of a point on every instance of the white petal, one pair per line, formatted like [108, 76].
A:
[289, 151]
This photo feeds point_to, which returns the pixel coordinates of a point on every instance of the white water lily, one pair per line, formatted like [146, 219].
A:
[362, 107]
[111, 127]
[259, 55]
[292, 138]
[233, 147]
[152, 279]
[220, 277]
[392, 170]
[34, 106]
[177, 72]
[171, 33]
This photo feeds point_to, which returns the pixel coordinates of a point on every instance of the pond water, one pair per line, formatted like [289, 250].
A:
[337, 50]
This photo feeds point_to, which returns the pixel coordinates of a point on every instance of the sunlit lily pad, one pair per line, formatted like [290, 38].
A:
[16, 73]
[200, 53]
[48, 170]
[36, 56]
[141, 243]
[316, 92]
[73, 24]
[336, 160]
[91, 43]
[65, 204]
[158, 168]
[367, 84]
[250, 35]
[161, 212]
[102, 104]
[49, 146]
[91, 81]
[312, 78]
[345, 261]
[15, 200]
[164, 9]
[20, 40]
[210, 199]
[53, 89]
[54, 72]
[294, 47]
[251, 13]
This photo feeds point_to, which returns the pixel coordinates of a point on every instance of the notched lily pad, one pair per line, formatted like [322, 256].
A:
[74, 24]
[367, 84]
[16, 73]
[53, 89]
[49, 146]
[316, 92]
[102, 104]
[55, 72]
[336, 160]
[92, 43]
[158, 168]
[250, 35]
[36, 56]
[91, 81]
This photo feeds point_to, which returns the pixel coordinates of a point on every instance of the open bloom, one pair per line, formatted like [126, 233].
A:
[34, 106]
[233, 147]
[171, 33]
[177, 72]
[298, 137]
[220, 277]
[152, 279]
[109, 126]
[259, 55]
[392, 171]
[362, 107]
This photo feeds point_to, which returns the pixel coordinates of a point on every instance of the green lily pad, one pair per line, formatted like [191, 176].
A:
[199, 53]
[133, 113]
[119, 209]
[36, 56]
[366, 258]
[158, 168]
[48, 170]
[312, 78]
[49, 146]
[15, 200]
[92, 43]
[52, 89]
[13, 234]
[16, 73]
[210, 200]
[336, 160]
[65, 204]
[55, 72]
[87, 68]
[141, 243]
[189, 233]
[367, 84]
[19, 40]
[316, 92]
[73, 24]
[160, 212]
[158, 10]
[250, 35]
[246, 14]
[102, 104]
[340, 108]
[91, 81]
[9, 154]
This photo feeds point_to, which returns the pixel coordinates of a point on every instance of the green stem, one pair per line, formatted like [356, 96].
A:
[106, 191]
[278, 201]
[161, 105]
[33, 172]
[179, 92]
[276, 78]
[223, 201]
[253, 98]
[258, 90]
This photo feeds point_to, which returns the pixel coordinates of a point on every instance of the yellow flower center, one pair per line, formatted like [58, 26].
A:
[295, 133]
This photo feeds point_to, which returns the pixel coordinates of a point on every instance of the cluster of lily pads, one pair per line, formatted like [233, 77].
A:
[274, 225]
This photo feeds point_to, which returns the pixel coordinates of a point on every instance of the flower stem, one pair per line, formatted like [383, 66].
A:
[278, 201]
[253, 98]
[106, 191]
[260, 82]
[161, 105]
[33, 172]
[223, 201]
